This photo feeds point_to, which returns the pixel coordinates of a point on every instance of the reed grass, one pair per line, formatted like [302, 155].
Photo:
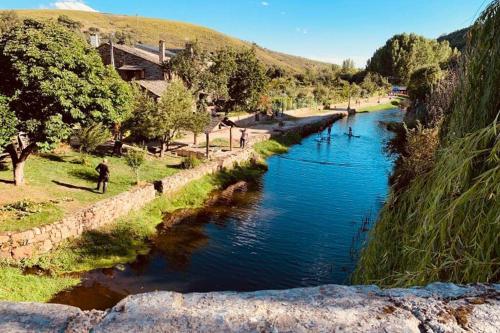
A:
[445, 226]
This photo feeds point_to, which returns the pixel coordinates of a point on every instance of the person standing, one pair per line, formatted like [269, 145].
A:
[103, 170]
[243, 138]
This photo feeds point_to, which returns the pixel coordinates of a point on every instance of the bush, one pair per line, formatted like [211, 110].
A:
[135, 158]
[90, 137]
[190, 162]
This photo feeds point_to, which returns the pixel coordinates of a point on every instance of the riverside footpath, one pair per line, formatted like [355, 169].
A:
[26, 243]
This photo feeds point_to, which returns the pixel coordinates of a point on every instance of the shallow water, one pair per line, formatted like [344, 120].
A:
[301, 224]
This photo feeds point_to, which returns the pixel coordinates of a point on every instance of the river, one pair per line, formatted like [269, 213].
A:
[302, 224]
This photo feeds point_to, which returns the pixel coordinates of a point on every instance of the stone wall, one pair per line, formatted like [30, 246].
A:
[439, 307]
[19, 245]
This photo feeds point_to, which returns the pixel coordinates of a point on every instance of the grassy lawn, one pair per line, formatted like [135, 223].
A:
[58, 184]
[393, 104]
[119, 242]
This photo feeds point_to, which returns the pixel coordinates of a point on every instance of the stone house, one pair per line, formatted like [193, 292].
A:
[140, 63]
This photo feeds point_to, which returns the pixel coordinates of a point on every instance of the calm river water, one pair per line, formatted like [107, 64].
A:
[300, 225]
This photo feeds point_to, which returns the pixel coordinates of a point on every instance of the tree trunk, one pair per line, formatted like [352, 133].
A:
[18, 173]
[162, 149]
[195, 138]
[18, 157]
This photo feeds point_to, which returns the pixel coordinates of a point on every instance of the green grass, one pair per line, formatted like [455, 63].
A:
[175, 34]
[278, 145]
[18, 287]
[380, 107]
[64, 185]
[119, 242]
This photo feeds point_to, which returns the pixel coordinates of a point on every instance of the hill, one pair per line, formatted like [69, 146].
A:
[456, 39]
[175, 34]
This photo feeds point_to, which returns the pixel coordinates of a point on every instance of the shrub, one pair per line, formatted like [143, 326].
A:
[190, 162]
[90, 137]
[135, 158]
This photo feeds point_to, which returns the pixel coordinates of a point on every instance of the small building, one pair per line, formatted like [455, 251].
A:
[140, 63]
[399, 90]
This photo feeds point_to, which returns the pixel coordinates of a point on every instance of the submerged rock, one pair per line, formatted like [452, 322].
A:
[440, 307]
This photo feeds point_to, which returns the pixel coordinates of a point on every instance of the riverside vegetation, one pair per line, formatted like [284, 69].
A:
[444, 223]
[415, 241]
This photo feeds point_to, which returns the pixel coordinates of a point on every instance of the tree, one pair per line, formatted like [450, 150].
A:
[247, 82]
[8, 123]
[403, 54]
[8, 20]
[423, 81]
[55, 81]
[189, 65]
[135, 158]
[197, 123]
[348, 66]
[172, 114]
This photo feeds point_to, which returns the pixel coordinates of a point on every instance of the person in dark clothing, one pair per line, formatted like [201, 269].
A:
[350, 131]
[103, 170]
[329, 129]
[244, 138]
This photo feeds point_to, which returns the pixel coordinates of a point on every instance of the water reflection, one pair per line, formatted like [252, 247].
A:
[302, 224]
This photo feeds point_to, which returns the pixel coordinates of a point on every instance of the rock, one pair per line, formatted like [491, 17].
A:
[439, 307]
[34, 317]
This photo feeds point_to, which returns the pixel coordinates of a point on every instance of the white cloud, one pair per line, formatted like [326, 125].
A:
[301, 30]
[264, 3]
[72, 5]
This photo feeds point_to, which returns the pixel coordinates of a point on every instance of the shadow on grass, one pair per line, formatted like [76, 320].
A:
[6, 181]
[75, 187]
[85, 174]
[53, 157]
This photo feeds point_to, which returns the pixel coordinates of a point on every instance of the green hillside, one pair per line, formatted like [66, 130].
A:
[175, 34]
[456, 39]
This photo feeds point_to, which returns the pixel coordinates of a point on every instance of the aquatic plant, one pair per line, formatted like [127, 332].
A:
[445, 226]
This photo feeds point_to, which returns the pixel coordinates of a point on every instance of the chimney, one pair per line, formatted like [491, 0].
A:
[94, 40]
[161, 50]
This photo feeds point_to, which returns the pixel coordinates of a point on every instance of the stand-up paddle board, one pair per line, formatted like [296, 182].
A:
[352, 136]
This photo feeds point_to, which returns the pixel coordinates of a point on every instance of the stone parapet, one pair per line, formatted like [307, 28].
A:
[439, 307]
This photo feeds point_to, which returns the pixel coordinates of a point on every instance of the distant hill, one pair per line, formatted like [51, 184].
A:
[456, 39]
[175, 34]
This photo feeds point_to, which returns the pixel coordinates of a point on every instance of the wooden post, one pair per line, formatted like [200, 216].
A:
[207, 134]
[231, 138]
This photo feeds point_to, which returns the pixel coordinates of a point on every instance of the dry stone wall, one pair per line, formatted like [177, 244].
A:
[24, 244]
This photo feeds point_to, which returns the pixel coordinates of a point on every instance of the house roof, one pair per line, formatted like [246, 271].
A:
[156, 87]
[169, 53]
[131, 68]
[149, 56]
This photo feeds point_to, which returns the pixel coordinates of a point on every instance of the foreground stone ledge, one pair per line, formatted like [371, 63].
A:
[439, 307]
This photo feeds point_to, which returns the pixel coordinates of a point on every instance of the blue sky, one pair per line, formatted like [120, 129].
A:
[329, 30]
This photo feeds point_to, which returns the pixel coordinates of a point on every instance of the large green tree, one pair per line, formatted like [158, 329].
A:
[55, 81]
[247, 82]
[403, 54]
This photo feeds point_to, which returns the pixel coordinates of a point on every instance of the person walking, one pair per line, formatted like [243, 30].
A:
[243, 138]
[103, 170]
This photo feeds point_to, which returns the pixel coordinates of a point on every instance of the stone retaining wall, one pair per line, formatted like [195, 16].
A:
[18, 245]
[439, 307]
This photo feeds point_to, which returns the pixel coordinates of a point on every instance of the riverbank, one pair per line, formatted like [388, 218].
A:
[123, 240]
[439, 307]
